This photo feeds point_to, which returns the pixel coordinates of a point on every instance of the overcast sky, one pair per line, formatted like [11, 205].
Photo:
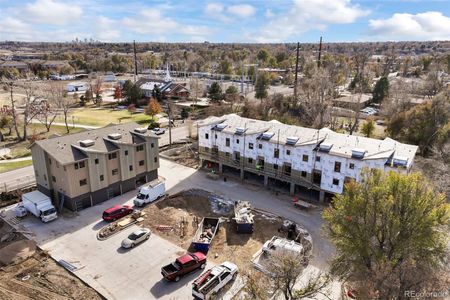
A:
[225, 21]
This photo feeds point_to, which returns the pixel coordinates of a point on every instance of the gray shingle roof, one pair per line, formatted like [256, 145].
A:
[67, 149]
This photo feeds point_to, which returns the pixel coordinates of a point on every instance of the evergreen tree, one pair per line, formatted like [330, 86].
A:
[381, 90]
[261, 86]
[215, 92]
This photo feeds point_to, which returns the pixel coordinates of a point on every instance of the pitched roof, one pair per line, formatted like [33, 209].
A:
[68, 149]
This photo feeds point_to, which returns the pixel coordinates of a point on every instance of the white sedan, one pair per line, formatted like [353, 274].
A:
[158, 131]
[136, 237]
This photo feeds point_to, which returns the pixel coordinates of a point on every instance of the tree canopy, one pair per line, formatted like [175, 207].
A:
[132, 92]
[153, 108]
[381, 90]
[423, 124]
[368, 127]
[390, 233]
[215, 92]
[261, 86]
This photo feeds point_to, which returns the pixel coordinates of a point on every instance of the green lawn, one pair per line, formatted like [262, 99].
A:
[104, 116]
[5, 167]
[21, 149]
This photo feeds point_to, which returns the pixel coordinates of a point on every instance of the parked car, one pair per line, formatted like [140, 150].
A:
[183, 265]
[213, 280]
[136, 237]
[158, 131]
[116, 212]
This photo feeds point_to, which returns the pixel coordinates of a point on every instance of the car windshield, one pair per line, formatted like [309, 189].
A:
[140, 196]
[133, 236]
[49, 212]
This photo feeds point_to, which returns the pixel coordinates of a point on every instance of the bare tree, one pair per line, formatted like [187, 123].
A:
[57, 94]
[256, 284]
[32, 105]
[317, 97]
[47, 115]
[96, 88]
[283, 272]
[10, 86]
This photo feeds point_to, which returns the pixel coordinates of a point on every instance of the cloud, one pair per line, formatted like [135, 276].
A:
[307, 15]
[430, 25]
[225, 14]
[214, 8]
[51, 12]
[15, 29]
[269, 13]
[242, 10]
[153, 22]
[107, 29]
[216, 11]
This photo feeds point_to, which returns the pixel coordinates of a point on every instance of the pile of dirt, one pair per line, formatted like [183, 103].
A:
[16, 252]
[186, 155]
[177, 217]
[30, 273]
[40, 277]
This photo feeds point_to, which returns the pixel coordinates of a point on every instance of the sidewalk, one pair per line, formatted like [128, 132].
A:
[5, 161]
[70, 125]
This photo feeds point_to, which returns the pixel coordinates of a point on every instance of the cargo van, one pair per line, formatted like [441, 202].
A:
[150, 192]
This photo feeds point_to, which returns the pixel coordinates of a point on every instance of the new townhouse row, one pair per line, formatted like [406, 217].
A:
[83, 169]
[314, 161]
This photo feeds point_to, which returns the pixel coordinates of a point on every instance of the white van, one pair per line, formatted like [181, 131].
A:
[150, 192]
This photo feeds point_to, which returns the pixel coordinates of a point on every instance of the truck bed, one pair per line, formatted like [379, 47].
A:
[169, 269]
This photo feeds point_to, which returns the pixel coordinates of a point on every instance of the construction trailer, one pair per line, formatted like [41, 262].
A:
[243, 216]
[205, 233]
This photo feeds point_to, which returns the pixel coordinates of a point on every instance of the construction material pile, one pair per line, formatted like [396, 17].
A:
[207, 234]
[115, 227]
[243, 213]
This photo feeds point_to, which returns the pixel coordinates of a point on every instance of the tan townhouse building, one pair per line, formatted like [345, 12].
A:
[83, 169]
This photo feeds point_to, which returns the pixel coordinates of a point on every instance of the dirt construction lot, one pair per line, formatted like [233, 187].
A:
[32, 274]
[180, 214]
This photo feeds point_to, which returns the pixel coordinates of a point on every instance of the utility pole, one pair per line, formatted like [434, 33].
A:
[170, 121]
[135, 61]
[320, 53]
[296, 72]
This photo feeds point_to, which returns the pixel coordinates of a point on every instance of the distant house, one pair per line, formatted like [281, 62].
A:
[355, 101]
[175, 90]
[168, 89]
[54, 64]
[77, 87]
[9, 64]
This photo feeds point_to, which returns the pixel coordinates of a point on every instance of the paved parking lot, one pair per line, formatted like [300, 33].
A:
[114, 272]
[135, 274]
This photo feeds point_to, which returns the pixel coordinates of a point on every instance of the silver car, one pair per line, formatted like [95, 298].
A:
[136, 237]
[158, 131]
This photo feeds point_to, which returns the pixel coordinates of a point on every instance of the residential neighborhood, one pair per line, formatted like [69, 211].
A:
[232, 150]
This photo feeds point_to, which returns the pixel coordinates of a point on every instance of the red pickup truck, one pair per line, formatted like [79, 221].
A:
[183, 265]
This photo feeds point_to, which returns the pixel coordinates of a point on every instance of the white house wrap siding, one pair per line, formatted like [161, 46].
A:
[239, 139]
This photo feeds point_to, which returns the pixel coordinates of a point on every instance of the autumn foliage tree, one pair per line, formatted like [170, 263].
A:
[153, 108]
[391, 234]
